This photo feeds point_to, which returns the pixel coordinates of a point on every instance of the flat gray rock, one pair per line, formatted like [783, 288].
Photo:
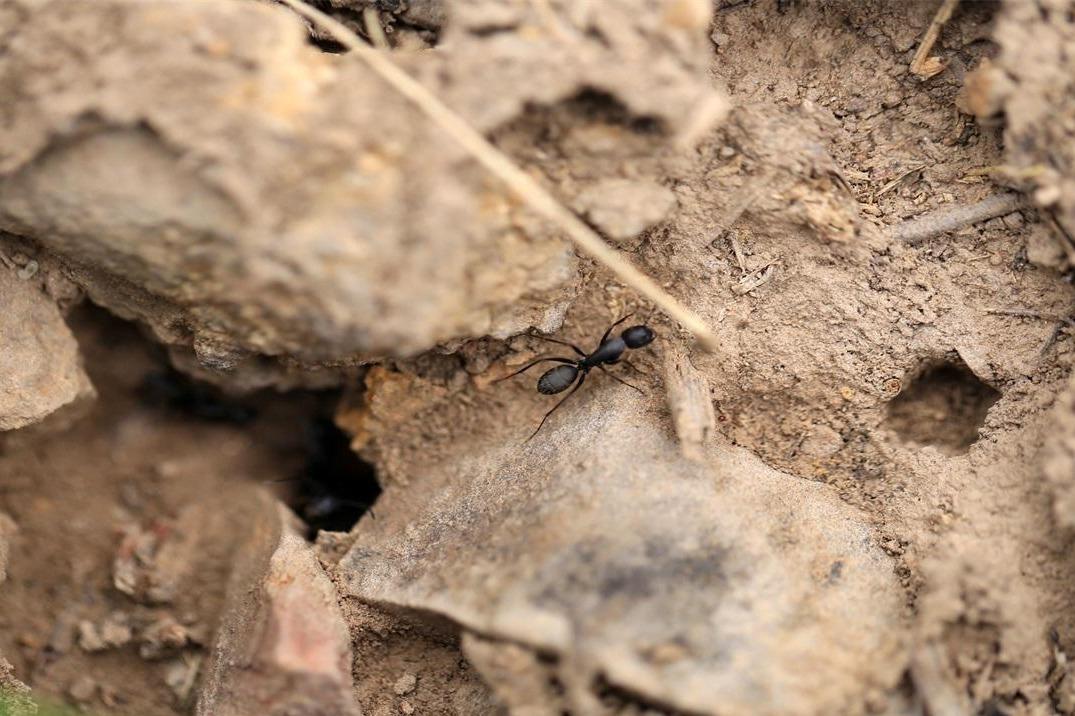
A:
[719, 586]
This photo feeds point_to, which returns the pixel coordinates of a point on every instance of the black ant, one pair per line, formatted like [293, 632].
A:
[609, 350]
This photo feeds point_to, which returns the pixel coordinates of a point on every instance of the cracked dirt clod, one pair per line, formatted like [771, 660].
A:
[283, 646]
[40, 366]
[623, 208]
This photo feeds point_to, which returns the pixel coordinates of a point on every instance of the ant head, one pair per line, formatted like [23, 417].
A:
[638, 336]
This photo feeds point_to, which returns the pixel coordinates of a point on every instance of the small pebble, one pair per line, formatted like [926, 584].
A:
[406, 707]
[83, 689]
[405, 684]
[891, 99]
[28, 271]
[109, 696]
[163, 637]
[89, 638]
[1047, 195]
[727, 152]
[116, 630]
[1013, 220]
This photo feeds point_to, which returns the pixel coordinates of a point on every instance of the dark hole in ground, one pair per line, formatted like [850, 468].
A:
[944, 406]
[335, 487]
[331, 487]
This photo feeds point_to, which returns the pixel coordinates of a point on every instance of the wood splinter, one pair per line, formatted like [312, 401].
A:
[690, 404]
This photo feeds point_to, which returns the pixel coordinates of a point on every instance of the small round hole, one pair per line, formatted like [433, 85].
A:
[944, 406]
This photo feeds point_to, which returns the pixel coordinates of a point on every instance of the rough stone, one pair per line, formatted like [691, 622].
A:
[313, 218]
[551, 545]
[14, 695]
[40, 366]
[405, 684]
[83, 689]
[283, 646]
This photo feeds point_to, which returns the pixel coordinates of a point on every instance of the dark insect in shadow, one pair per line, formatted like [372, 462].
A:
[574, 371]
[335, 487]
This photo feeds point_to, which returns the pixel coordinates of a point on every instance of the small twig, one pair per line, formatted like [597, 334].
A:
[1067, 242]
[1027, 313]
[193, 664]
[1052, 338]
[758, 279]
[738, 251]
[690, 404]
[1060, 322]
[374, 29]
[896, 181]
[537, 197]
[948, 219]
[923, 65]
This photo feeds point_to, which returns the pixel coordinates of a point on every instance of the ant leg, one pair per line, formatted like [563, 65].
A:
[361, 505]
[533, 363]
[572, 346]
[632, 366]
[618, 379]
[609, 331]
[562, 401]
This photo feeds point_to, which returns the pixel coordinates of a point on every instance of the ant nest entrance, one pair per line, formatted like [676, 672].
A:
[335, 487]
[944, 406]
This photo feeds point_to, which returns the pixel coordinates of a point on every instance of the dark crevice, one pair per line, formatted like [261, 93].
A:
[329, 486]
[392, 14]
[168, 389]
[335, 487]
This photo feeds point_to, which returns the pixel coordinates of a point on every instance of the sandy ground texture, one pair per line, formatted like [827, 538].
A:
[256, 453]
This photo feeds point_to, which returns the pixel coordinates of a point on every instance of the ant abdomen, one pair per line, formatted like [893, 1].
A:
[557, 380]
[638, 336]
